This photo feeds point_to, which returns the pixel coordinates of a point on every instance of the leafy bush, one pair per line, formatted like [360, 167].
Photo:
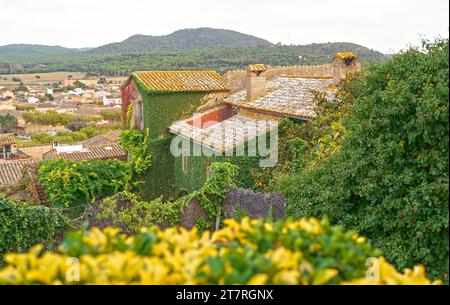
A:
[23, 226]
[112, 115]
[136, 143]
[70, 183]
[24, 107]
[247, 252]
[7, 123]
[125, 211]
[390, 179]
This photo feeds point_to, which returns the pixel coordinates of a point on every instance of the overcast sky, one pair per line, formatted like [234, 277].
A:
[384, 25]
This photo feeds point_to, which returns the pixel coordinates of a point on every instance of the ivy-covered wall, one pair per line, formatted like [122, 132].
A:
[196, 172]
[159, 178]
[162, 108]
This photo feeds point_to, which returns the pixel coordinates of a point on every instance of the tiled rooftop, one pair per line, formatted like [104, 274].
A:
[224, 135]
[181, 81]
[11, 171]
[112, 136]
[93, 152]
[7, 139]
[285, 96]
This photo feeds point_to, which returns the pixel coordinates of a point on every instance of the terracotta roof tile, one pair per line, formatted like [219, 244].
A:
[112, 136]
[11, 171]
[285, 96]
[344, 55]
[257, 68]
[181, 81]
[226, 135]
[108, 151]
[7, 139]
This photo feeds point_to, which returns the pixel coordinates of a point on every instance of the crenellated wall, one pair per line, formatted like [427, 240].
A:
[237, 79]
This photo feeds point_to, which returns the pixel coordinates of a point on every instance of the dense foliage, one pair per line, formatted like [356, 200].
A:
[7, 123]
[211, 57]
[73, 183]
[247, 252]
[23, 226]
[389, 181]
[136, 144]
[129, 213]
[54, 118]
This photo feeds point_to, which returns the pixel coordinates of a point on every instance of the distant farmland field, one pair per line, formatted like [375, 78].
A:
[43, 77]
[53, 77]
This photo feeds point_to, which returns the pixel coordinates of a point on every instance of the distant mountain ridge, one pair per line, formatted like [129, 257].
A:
[188, 49]
[182, 40]
[13, 51]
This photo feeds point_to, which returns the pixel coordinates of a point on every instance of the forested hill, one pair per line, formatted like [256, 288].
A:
[188, 49]
[15, 52]
[187, 39]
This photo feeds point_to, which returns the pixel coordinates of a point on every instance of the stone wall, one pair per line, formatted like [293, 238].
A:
[237, 79]
[36, 152]
[237, 202]
[243, 202]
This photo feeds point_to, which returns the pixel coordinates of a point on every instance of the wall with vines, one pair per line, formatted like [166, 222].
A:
[159, 179]
[198, 166]
[162, 108]
[22, 226]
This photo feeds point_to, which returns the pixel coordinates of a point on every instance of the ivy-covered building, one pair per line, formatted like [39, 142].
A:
[194, 120]
[152, 101]
[155, 99]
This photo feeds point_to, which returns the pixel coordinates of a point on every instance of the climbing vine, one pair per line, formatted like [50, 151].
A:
[127, 212]
[72, 183]
[212, 193]
[136, 143]
[23, 226]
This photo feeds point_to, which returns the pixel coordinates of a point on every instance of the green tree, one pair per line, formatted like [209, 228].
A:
[390, 179]
[7, 123]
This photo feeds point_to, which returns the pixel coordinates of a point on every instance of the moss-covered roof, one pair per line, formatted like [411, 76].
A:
[257, 68]
[344, 55]
[181, 81]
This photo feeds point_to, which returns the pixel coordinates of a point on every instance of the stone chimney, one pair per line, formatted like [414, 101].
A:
[256, 81]
[343, 64]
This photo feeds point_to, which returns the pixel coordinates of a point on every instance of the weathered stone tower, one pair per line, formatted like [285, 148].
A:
[343, 64]
[256, 81]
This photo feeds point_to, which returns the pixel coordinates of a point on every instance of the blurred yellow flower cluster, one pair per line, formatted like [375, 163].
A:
[307, 251]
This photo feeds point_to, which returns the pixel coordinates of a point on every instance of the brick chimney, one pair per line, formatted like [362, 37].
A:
[343, 64]
[256, 81]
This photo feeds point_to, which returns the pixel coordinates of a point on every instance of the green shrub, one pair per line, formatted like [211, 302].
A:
[23, 226]
[71, 183]
[390, 179]
[286, 252]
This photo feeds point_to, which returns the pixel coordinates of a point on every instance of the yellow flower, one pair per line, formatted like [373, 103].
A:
[286, 277]
[324, 276]
[258, 279]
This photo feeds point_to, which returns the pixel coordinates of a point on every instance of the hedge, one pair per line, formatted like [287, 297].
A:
[302, 252]
[23, 226]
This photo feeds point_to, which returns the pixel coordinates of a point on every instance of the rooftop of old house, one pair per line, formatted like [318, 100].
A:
[80, 152]
[223, 135]
[7, 139]
[181, 81]
[286, 96]
[12, 171]
[109, 137]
